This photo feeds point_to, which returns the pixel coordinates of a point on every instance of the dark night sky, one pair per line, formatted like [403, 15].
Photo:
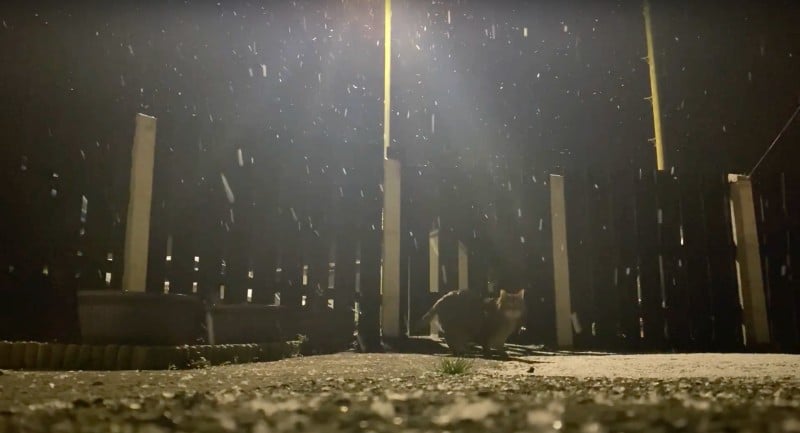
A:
[562, 83]
[544, 86]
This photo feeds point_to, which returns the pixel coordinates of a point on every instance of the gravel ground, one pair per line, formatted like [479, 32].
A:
[406, 393]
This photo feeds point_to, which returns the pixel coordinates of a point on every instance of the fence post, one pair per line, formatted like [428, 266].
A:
[137, 226]
[390, 280]
[558, 223]
[433, 270]
[748, 261]
[463, 266]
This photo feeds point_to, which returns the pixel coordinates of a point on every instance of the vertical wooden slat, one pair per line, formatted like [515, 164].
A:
[391, 246]
[604, 290]
[447, 204]
[265, 227]
[417, 218]
[776, 254]
[141, 251]
[532, 215]
[791, 191]
[695, 240]
[650, 300]
[773, 243]
[345, 262]
[672, 261]
[319, 236]
[239, 223]
[580, 260]
[369, 269]
[183, 202]
[748, 262]
[625, 271]
[727, 318]
[290, 262]
[563, 303]
[212, 210]
[344, 233]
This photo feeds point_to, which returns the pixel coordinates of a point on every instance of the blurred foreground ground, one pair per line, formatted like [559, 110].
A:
[406, 393]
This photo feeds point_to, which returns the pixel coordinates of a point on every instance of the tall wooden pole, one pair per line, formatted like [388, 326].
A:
[563, 300]
[748, 262]
[390, 277]
[137, 226]
[387, 77]
[651, 61]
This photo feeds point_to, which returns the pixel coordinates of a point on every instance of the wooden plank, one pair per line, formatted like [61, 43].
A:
[774, 237]
[563, 303]
[391, 251]
[265, 227]
[748, 260]
[417, 216]
[369, 267]
[448, 225]
[142, 254]
[239, 222]
[623, 212]
[103, 155]
[650, 295]
[672, 262]
[726, 309]
[319, 236]
[289, 241]
[792, 205]
[604, 256]
[345, 270]
[533, 218]
[695, 241]
[346, 237]
[54, 304]
[580, 273]
[409, 247]
[209, 248]
[182, 203]
[114, 200]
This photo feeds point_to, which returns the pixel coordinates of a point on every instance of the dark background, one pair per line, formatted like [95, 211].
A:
[296, 89]
[571, 93]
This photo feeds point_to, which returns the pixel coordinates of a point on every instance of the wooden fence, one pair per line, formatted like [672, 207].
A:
[652, 261]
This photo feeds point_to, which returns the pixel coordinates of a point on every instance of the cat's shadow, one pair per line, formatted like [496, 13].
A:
[516, 352]
[511, 358]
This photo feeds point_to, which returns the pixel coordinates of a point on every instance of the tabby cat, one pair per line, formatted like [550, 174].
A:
[465, 317]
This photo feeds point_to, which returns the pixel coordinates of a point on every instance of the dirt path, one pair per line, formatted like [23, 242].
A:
[406, 393]
[669, 366]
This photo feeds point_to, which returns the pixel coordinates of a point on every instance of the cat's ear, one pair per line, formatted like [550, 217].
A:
[503, 293]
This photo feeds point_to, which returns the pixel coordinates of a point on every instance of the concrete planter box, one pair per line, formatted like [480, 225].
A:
[246, 323]
[128, 318]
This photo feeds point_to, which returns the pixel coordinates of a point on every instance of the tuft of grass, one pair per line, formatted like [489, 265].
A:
[199, 363]
[454, 366]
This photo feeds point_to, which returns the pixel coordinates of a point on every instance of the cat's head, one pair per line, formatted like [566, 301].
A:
[511, 304]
